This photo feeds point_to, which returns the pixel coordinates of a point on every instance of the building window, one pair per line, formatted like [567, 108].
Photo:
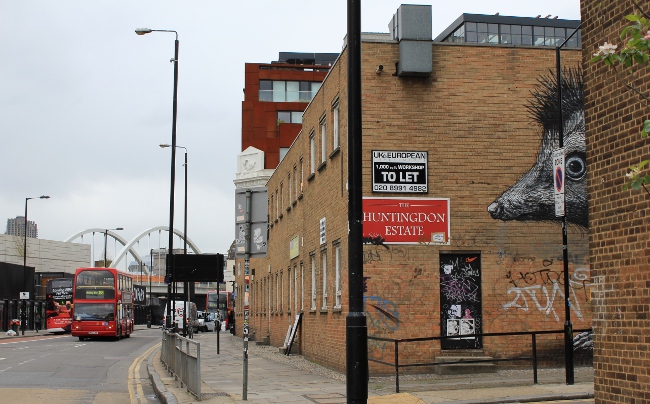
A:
[277, 203]
[295, 180]
[288, 91]
[302, 287]
[302, 176]
[281, 291]
[324, 261]
[289, 117]
[337, 252]
[313, 282]
[514, 34]
[290, 188]
[312, 153]
[323, 140]
[277, 292]
[281, 197]
[295, 288]
[335, 126]
[290, 288]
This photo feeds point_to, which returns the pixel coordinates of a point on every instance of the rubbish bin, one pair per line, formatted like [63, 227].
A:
[15, 325]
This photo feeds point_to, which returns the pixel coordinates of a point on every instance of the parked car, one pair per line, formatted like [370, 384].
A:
[206, 322]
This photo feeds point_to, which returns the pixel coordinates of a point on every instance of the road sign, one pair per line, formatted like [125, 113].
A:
[24, 295]
[558, 181]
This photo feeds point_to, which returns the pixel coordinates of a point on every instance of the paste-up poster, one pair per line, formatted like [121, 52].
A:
[460, 300]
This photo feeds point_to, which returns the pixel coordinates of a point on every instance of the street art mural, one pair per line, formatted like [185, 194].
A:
[460, 300]
[532, 198]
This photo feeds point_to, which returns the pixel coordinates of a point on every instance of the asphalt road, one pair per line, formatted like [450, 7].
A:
[52, 368]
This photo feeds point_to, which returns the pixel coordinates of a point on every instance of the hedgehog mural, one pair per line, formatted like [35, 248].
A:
[532, 197]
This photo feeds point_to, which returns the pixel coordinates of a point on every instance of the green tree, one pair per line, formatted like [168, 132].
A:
[634, 54]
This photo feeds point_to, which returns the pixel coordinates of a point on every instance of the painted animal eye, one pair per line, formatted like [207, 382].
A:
[575, 166]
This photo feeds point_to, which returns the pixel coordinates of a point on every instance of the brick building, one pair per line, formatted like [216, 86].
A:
[469, 141]
[618, 233]
[275, 95]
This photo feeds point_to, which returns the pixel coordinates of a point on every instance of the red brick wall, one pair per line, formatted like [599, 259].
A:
[618, 236]
[471, 118]
[260, 128]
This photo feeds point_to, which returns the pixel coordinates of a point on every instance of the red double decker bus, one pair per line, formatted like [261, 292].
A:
[218, 301]
[58, 305]
[103, 303]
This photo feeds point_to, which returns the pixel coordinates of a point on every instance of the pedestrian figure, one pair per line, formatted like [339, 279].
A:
[37, 321]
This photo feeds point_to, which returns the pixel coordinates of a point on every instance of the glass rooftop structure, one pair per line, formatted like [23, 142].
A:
[517, 31]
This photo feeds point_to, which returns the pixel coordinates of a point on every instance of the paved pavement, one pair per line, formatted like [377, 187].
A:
[276, 378]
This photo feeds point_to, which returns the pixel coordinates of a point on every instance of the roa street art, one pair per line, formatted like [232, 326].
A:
[532, 197]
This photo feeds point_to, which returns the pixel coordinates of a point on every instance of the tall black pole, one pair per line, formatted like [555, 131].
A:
[105, 247]
[24, 303]
[568, 327]
[150, 297]
[186, 290]
[23, 306]
[356, 329]
[170, 264]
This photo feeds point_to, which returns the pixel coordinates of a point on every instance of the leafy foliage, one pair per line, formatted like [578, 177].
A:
[635, 51]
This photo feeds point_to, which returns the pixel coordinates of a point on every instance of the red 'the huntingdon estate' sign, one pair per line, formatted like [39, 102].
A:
[406, 220]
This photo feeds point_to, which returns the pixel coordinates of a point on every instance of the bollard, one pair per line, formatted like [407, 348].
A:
[218, 332]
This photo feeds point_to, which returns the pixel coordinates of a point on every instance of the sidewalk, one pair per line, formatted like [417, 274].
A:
[276, 378]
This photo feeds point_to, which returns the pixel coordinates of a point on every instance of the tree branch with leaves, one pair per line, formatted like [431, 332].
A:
[636, 51]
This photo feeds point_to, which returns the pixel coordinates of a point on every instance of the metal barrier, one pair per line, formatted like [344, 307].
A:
[533, 357]
[182, 358]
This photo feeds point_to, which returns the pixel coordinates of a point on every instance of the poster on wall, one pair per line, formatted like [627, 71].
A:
[399, 171]
[460, 300]
[406, 220]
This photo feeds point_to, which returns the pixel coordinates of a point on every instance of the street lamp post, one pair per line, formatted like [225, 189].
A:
[186, 290]
[106, 244]
[568, 326]
[24, 305]
[143, 31]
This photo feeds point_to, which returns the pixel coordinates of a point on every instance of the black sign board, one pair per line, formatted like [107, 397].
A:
[399, 171]
[198, 267]
[139, 295]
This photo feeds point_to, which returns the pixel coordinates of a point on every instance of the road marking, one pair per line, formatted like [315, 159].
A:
[134, 383]
[43, 338]
[5, 369]
[22, 363]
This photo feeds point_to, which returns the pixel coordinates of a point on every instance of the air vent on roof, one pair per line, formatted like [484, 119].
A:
[411, 26]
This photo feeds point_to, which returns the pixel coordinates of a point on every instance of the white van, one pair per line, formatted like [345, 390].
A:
[178, 315]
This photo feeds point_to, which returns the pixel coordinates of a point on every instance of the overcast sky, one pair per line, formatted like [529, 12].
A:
[85, 102]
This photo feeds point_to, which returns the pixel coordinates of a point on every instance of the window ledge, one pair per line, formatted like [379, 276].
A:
[311, 176]
[323, 310]
[281, 216]
[289, 209]
[300, 196]
[335, 152]
[295, 202]
[275, 221]
[336, 310]
[322, 165]
[312, 311]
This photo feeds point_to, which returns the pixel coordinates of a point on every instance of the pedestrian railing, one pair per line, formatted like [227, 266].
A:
[182, 358]
[533, 357]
